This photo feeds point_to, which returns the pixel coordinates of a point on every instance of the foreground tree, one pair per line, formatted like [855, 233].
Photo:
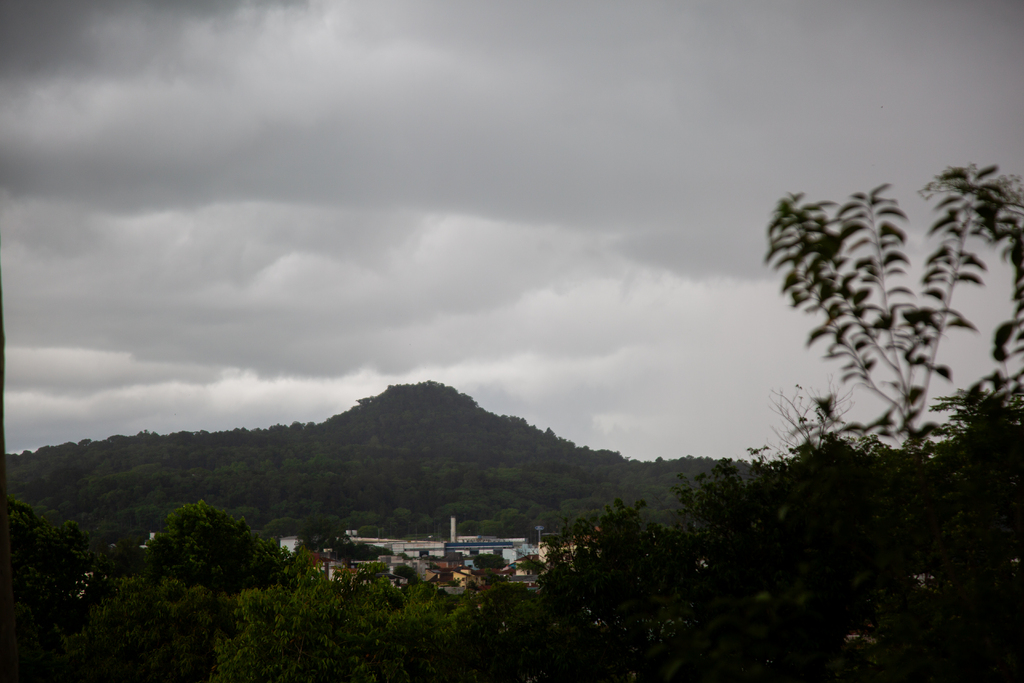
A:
[163, 633]
[780, 572]
[947, 570]
[355, 627]
[846, 558]
[846, 264]
[127, 557]
[950, 592]
[56, 580]
[762, 579]
[507, 634]
[201, 545]
[604, 576]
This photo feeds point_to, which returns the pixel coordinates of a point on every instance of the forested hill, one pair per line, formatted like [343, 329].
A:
[403, 462]
[431, 418]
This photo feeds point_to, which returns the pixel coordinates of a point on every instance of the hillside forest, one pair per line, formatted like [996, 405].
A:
[887, 550]
[397, 465]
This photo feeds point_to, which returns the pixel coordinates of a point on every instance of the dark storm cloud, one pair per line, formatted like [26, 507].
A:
[213, 210]
[41, 38]
[657, 131]
[633, 119]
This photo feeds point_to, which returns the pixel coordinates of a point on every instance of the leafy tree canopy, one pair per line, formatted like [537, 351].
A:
[489, 561]
[56, 580]
[150, 633]
[206, 546]
[354, 628]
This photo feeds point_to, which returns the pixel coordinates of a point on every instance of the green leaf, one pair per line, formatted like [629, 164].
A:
[1003, 333]
[888, 229]
[969, 277]
[894, 257]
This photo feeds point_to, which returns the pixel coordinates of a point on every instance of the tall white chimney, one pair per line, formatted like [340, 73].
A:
[453, 528]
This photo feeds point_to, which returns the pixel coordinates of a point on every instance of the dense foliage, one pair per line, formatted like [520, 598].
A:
[831, 563]
[204, 546]
[399, 464]
[56, 580]
[150, 632]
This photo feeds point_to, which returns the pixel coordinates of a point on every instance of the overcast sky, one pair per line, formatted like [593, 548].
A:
[259, 213]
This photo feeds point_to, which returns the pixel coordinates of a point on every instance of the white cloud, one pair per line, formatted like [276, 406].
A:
[595, 360]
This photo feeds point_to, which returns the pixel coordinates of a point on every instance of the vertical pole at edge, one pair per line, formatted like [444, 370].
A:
[8, 643]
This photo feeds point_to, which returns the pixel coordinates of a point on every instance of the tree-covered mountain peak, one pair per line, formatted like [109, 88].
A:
[426, 396]
[431, 416]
